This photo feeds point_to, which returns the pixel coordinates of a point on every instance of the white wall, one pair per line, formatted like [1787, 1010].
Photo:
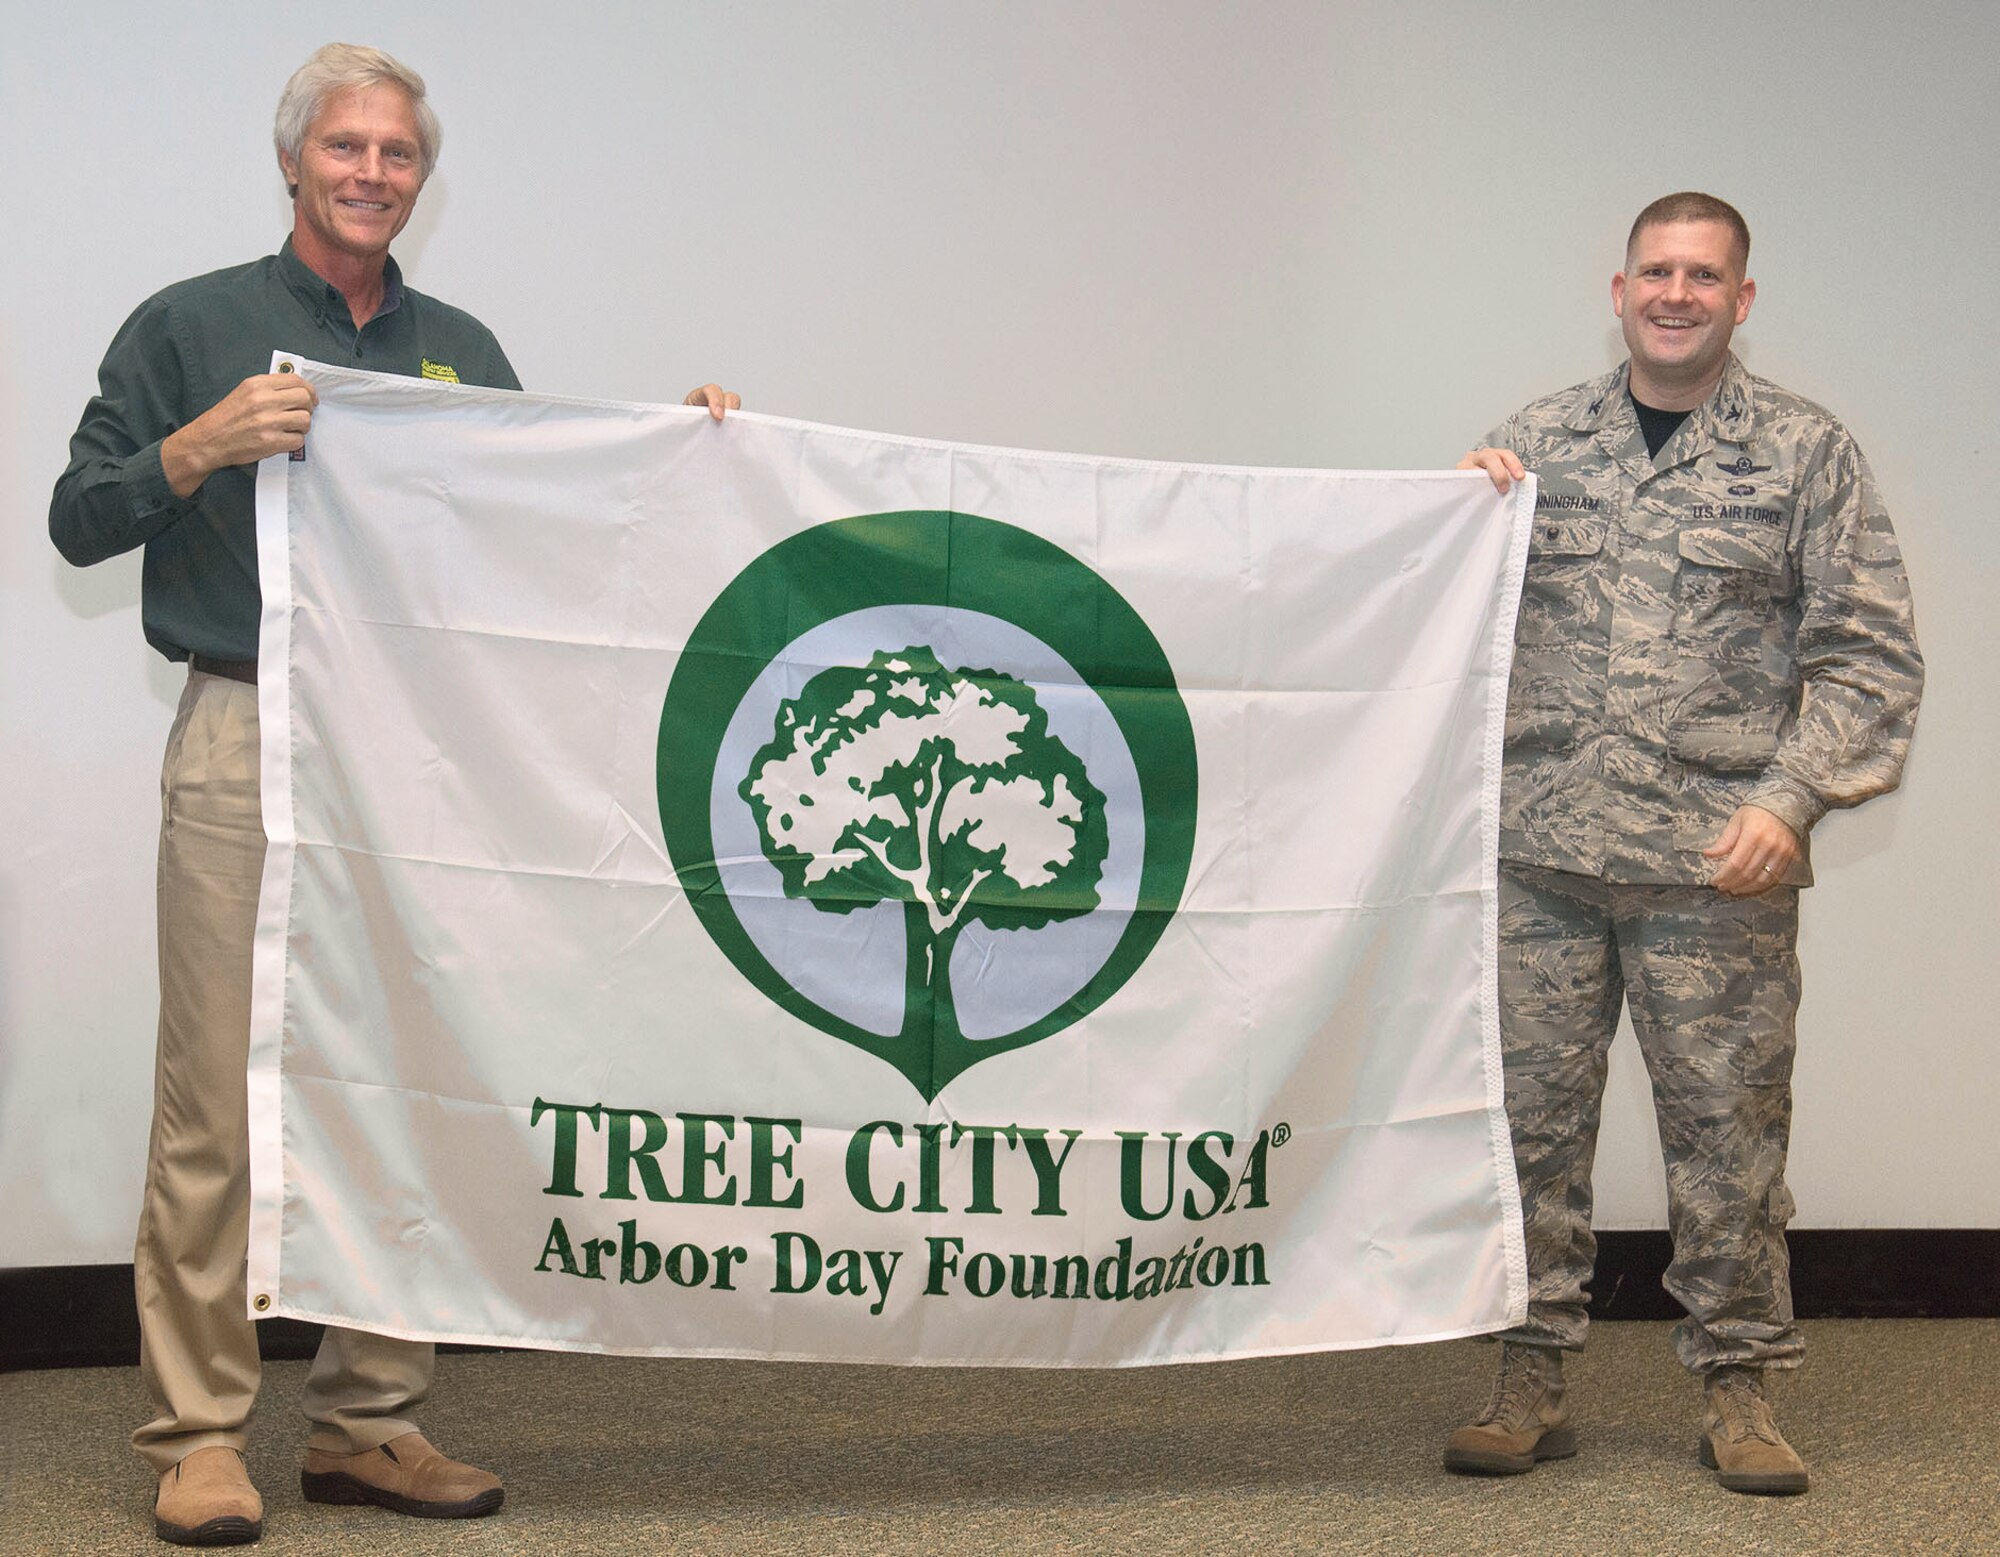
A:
[1331, 234]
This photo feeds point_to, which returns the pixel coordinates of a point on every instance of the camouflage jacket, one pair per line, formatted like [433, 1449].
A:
[1729, 622]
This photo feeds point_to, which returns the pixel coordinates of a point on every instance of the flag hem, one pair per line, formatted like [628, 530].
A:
[264, 1081]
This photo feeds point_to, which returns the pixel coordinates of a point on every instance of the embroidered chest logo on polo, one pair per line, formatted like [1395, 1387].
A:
[443, 372]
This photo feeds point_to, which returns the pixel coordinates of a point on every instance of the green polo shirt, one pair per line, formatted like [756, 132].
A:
[180, 353]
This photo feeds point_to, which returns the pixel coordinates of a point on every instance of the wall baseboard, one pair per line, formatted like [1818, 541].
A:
[82, 1316]
[1845, 1273]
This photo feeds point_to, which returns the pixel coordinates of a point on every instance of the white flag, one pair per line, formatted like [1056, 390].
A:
[759, 889]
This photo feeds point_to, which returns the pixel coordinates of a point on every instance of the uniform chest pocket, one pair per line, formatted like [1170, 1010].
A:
[1559, 599]
[1727, 591]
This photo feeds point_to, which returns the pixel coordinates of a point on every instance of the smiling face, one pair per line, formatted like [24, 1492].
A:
[1679, 298]
[357, 176]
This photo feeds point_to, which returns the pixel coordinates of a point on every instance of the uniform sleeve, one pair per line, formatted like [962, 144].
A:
[499, 371]
[1857, 650]
[1506, 436]
[114, 494]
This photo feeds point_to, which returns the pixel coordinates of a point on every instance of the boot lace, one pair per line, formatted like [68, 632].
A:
[1740, 1403]
[1523, 1376]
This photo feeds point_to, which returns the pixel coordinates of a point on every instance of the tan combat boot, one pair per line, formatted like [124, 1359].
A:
[207, 1500]
[1740, 1442]
[1523, 1423]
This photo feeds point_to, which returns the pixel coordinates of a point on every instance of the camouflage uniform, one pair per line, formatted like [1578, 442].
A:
[1727, 623]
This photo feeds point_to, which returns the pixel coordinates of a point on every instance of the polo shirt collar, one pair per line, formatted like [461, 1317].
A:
[320, 294]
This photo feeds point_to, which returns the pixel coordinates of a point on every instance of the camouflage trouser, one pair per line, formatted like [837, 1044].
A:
[1713, 985]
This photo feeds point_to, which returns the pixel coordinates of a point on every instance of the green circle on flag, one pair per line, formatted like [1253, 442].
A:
[960, 792]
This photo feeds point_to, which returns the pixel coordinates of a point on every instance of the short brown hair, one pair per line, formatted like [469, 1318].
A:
[1692, 206]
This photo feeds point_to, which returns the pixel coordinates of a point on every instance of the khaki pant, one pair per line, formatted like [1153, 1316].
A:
[1712, 983]
[198, 1347]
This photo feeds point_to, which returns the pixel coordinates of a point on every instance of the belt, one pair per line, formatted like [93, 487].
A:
[235, 670]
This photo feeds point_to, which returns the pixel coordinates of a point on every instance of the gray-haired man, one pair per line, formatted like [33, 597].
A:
[165, 458]
[1715, 647]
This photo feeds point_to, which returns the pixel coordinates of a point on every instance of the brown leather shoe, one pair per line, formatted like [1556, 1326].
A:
[1741, 1443]
[405, 1474]
[1523, 1424]
[207, 1500]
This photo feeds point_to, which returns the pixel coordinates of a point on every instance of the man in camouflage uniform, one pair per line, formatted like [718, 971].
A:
[1715, 647]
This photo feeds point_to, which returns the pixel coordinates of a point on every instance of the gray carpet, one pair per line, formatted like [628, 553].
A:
[1331, 1453]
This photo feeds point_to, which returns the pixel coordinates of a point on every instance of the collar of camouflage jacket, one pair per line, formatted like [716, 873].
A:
[1727, 416]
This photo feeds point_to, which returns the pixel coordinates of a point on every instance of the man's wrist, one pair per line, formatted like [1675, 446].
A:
[180, 467]
[149, 491]
[1793, 804]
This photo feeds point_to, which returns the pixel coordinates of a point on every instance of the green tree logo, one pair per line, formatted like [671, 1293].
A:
[941, 789]
[950, 721]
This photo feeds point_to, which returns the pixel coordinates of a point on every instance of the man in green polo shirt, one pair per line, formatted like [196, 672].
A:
[165, 458]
